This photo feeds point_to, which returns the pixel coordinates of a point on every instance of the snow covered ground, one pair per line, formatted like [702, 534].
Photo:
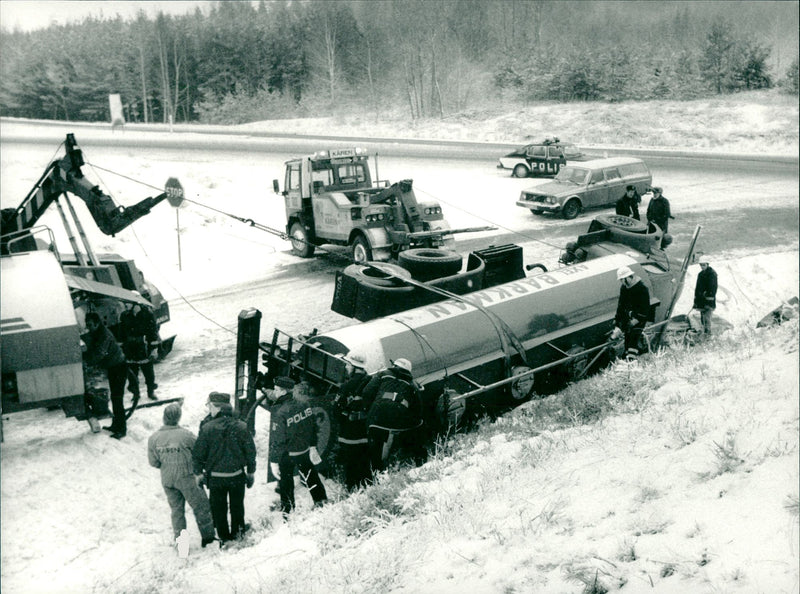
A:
[695, 489]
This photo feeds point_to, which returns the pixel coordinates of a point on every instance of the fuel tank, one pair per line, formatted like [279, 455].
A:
[548, 313]
[40, 334]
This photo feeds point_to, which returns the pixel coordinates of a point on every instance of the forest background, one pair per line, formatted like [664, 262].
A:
[236, 62]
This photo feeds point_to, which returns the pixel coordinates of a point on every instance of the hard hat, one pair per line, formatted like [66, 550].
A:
[402, 364]
[356, 359]
[624, 272]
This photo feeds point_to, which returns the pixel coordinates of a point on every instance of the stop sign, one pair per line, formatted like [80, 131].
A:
[174, 191]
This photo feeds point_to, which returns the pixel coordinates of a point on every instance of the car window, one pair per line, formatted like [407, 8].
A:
[576, 175]
[597, 176]
[537, 151]
[633, 169]
[612, 174]
[555, 152]
[570, 150]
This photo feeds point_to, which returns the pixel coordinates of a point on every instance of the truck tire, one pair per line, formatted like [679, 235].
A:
[615, 221]
[426, 264]
[371, 275]
[571, 209]
[361, 250]
[521, 170]
[301, 246]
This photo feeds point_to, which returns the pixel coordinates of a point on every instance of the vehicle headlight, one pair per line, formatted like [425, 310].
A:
[551, 200]
[524, 196]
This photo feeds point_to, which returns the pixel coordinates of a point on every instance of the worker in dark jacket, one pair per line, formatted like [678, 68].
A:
[139, 334]
[395, 415]
[705, 293]
[658, 212]
[293, 444]
[224, 458]
[633, 311]
[170, 450]
[628, 205]
[351, 411]
[103, 351]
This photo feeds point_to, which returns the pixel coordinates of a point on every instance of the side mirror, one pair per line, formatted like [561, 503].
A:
[275, 187]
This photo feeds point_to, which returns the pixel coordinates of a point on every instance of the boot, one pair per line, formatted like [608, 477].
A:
[152, 395]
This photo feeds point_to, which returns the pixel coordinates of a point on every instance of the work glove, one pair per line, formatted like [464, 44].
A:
[313, 455]
[616, 333]
[276, 471]
[200, 479]
[250, 479]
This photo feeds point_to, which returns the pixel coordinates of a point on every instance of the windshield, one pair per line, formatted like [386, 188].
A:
[570, 150]
[576, 175]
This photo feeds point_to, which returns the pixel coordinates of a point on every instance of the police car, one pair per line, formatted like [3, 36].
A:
[541, 158]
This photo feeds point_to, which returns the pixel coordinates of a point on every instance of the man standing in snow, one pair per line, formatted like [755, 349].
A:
[351, 411]
[139, 334]
[395, 415]
[170, 450]
[658, 210]
[705, 293]
[224, 457]
[103, 351]
[293, 444]
[633, 311]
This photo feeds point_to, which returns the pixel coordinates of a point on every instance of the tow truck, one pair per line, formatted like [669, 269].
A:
[44, 295]
[331, 198]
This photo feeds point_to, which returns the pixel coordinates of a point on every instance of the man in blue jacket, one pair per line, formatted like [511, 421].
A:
[170, 450]
[224, 458]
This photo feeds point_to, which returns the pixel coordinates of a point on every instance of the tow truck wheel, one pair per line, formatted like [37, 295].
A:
[362, 252]
[571, 209]
[521, 171]
[301, 246]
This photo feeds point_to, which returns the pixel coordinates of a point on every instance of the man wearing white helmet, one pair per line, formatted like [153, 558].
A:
[633, 310]
[351, 410]
[395, 415]
[705, 293]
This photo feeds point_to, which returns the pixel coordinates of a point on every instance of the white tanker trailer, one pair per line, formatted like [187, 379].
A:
[500, 345]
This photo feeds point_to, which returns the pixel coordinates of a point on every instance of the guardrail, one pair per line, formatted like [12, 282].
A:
[230, 138]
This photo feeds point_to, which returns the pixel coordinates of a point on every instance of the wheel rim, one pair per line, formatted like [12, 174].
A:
[298, 240]
[571, 209]
[521, 171]
[360, 253]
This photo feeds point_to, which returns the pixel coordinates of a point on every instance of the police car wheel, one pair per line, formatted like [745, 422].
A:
[521, 171]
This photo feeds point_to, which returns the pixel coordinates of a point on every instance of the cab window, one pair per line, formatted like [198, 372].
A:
[351, 173]
[322, 178]
[597, 176]
[612, 174]
[293, 177]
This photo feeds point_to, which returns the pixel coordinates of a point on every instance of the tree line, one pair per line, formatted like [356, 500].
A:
[242, 61]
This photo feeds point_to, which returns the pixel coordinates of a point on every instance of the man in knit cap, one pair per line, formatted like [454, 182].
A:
[170, 450]
[224, 458]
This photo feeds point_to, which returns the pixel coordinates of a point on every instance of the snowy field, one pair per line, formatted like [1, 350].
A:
[637, 501]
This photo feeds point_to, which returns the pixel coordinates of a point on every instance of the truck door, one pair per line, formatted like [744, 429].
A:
[293, 189]
[597, 190]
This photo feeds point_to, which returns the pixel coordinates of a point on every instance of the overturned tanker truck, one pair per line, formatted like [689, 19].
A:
[515, 337]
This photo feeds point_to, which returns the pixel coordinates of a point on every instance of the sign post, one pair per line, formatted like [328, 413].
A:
[174, 191]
